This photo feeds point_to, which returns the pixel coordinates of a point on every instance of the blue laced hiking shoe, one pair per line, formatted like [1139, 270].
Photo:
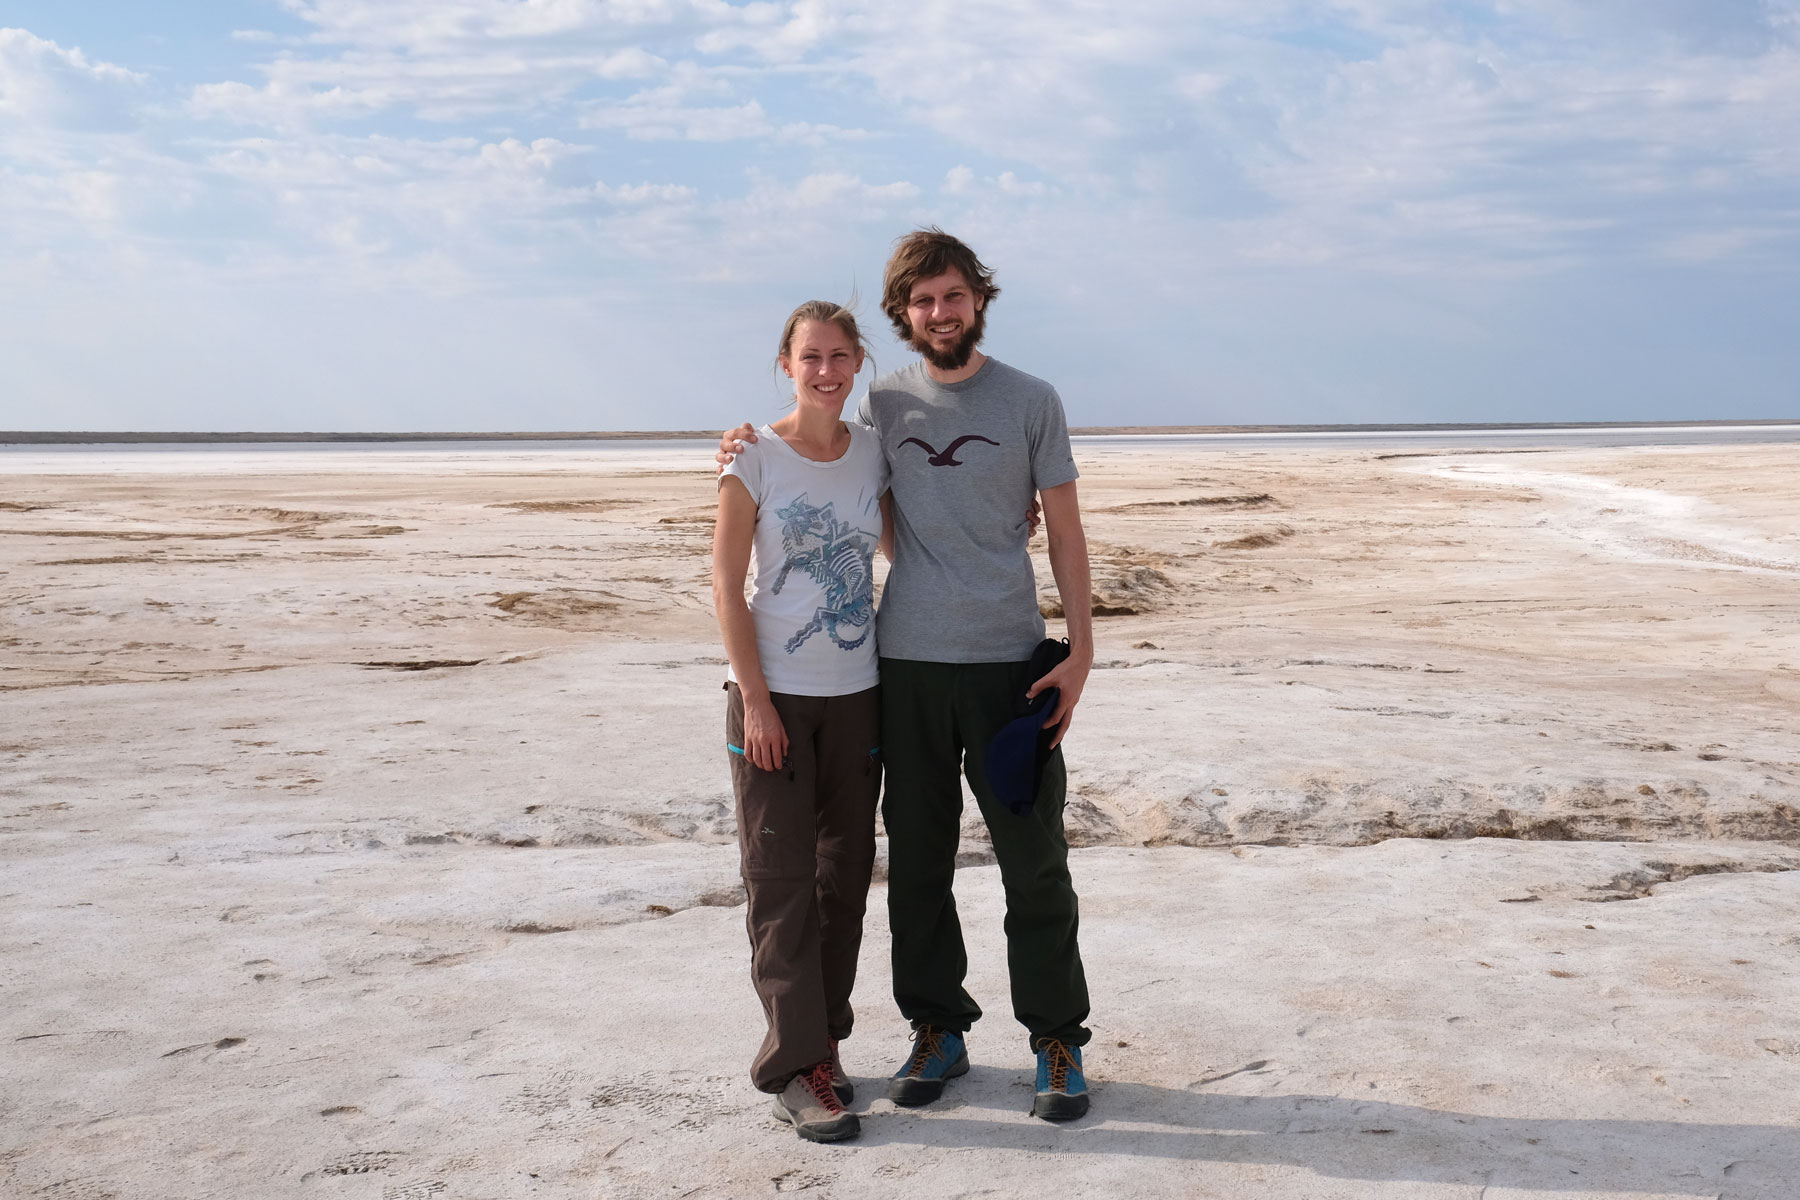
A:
[937, 1055]
[1061, 1086]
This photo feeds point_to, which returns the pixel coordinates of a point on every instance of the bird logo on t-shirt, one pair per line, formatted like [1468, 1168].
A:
[947, 458]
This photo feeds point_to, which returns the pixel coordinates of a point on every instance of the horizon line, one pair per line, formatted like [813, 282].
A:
[176, 437]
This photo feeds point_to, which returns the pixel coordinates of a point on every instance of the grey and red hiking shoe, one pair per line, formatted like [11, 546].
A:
[1061, 1085]
[937, 1055]
[809, 1104]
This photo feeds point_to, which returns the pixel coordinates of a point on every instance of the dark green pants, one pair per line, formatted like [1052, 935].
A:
[936, 720]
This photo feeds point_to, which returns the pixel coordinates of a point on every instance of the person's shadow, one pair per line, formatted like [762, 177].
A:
[1373, 1140]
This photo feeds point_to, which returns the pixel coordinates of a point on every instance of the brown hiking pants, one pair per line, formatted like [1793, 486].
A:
[806, 836]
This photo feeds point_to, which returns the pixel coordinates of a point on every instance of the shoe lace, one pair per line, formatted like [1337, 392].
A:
[818, 1082]
[1060, 1061]
[929, 1045]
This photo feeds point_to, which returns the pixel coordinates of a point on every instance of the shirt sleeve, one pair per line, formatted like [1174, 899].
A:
[748, 467]
[865, 412]
[1052, 457]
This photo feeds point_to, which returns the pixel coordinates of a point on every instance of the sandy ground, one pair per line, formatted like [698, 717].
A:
[364, 832]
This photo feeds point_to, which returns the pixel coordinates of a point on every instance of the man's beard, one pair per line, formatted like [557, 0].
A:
[957, 356]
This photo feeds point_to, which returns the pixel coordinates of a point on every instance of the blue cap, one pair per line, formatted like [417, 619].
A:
[1016, 756]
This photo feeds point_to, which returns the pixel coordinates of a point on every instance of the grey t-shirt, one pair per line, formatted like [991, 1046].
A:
[965, 460]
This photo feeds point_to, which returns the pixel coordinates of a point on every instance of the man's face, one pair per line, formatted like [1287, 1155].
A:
[946, 320]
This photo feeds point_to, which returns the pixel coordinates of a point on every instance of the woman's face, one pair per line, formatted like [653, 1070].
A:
[823, 362]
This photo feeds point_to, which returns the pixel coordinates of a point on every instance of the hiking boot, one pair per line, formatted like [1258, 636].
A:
[937, 1055]
[840, 1082]
[814, 1109]
[1061, 1085]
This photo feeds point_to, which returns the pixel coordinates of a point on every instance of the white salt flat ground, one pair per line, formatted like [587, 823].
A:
[1305, 1022]
[364, 833]
[370, 986]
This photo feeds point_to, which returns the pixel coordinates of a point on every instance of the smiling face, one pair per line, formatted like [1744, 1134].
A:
[945, 319]
[822, 359]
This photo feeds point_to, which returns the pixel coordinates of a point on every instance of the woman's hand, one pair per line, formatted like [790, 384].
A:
[765, 741]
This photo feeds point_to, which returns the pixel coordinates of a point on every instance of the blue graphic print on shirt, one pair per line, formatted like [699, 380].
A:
[840, 559]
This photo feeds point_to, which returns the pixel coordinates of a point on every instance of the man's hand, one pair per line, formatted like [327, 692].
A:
[1070, 677]
[731, 442]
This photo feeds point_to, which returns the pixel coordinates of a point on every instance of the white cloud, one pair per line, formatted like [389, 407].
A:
[646, 194]
[540, 155]
[419, 191]
[558, 147]
[1384, 132]
[1715, 245]
[695, 102]
[44, 85]
[94, 195]
[1225, 106]
[962, 181]
[650, 119]
[1436, 149]
[278, 104]
[436, 24]
[304, 91]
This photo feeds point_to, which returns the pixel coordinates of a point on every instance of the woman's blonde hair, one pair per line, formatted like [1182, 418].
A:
[821, 310]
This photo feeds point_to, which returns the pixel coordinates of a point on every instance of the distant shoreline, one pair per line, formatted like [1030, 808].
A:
[122, 438]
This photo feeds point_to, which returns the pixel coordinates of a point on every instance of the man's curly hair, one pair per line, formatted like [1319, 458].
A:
[923, 254]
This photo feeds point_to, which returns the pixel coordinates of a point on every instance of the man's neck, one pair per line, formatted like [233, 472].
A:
[967, 371]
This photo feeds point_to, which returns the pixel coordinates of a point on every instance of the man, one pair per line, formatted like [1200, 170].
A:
[970, 441]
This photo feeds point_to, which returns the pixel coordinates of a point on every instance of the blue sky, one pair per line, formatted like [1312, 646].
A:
[595, 214]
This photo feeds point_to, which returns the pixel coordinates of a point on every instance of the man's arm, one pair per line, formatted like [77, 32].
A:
[1069, 564]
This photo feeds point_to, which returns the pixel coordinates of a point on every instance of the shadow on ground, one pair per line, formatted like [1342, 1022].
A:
[1373, 1140]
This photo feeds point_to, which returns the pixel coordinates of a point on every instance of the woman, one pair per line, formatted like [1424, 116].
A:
[803, 506]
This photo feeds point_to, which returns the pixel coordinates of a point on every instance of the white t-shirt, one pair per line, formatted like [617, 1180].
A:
[812, 561]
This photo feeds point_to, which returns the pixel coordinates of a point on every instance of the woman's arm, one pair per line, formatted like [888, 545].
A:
[765, 741]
